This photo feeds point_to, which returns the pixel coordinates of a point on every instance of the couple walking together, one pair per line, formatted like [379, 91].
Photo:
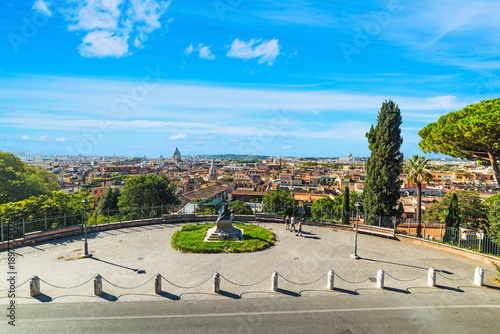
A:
[291, 224]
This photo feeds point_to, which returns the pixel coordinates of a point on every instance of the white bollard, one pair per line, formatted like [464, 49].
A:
[216, 282]
[34, 286]
[380, 278]
[274, 281]
[97, 285]
[158, 284]
[431, 277]
[479, 276]
[331, 276]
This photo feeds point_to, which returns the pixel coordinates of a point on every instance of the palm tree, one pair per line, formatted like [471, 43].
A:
[418, 172]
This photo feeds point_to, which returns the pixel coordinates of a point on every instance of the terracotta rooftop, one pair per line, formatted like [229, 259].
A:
[206, 192]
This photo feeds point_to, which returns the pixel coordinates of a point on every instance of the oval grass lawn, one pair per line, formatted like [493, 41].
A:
[189, 239]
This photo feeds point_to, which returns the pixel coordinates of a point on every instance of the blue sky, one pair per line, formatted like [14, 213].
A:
[286, 78]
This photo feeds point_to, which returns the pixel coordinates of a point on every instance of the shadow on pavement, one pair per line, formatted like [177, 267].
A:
[139, 271]
[288, 292]
[349, 292]
[397, 290]
[443, 287]
[229, 294]
[43, 298]
[170, 296]
[491, 287]
[395, 263]
[108, 297]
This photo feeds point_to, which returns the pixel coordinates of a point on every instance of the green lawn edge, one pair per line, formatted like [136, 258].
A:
[189, 239]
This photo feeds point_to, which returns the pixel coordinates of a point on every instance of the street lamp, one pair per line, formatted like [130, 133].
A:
[355, 255]
[85, 202]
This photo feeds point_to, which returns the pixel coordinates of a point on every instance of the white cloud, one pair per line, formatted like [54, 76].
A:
[266, 51]
[120, 23]
[42, 7]
[25, 137]
[189, 50]
[287, 147]
[61, 140]
[103, 44]
[43, 138]
[205, 53]
[177, 137]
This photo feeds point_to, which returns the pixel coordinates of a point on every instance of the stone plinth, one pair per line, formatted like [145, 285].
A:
[224, 226]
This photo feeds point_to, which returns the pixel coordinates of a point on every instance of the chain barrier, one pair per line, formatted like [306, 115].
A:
[67, 287]
[454, 279]
[405, 280]
[350, 282]
[128, 288]
[244, 284]
[186, 287]
[17, 286]
[297, 283]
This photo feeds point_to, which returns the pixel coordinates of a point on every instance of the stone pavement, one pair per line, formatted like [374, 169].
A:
[128, 259]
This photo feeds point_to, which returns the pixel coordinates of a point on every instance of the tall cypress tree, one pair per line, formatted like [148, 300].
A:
[383, 168]
[345, 206]
[452, 218]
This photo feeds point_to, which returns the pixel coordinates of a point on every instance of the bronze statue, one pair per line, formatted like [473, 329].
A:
[224, 212]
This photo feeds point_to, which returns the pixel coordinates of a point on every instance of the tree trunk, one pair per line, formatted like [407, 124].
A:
[494, 165]
[419, 209]
[419, 202]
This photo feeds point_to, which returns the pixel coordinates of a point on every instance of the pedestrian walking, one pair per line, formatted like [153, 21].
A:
[287, 222]
[299, 228]
[292, 226]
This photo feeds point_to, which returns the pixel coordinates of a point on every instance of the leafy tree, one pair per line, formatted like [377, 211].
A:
[19, 181]
[148, 190]
[452, 218]
[279, 201]
[471, 133]
[472, 210]
[255, 200]
[383, 168]
[56, 204]
[109, 201]
[418, 172]
[356, 197]
[322, 208]
[240, 208]
[494, 222]
[226, 179]
[345, 206]
[493, 199]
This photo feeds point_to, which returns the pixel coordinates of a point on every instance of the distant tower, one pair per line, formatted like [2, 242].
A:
[176, 156]
[212, 172]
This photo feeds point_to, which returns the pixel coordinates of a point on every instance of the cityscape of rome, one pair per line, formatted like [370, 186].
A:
[246, 178]
[231, 166]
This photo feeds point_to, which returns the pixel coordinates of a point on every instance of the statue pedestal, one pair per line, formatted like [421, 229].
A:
[224, 227]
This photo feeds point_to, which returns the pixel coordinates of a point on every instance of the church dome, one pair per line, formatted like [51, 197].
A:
[176, 155]
[349, 155]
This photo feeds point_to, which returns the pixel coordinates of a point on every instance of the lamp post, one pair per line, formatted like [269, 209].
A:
[85, 202]
[355, 255]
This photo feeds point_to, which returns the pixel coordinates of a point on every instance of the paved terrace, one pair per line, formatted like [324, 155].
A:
[130, 257]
